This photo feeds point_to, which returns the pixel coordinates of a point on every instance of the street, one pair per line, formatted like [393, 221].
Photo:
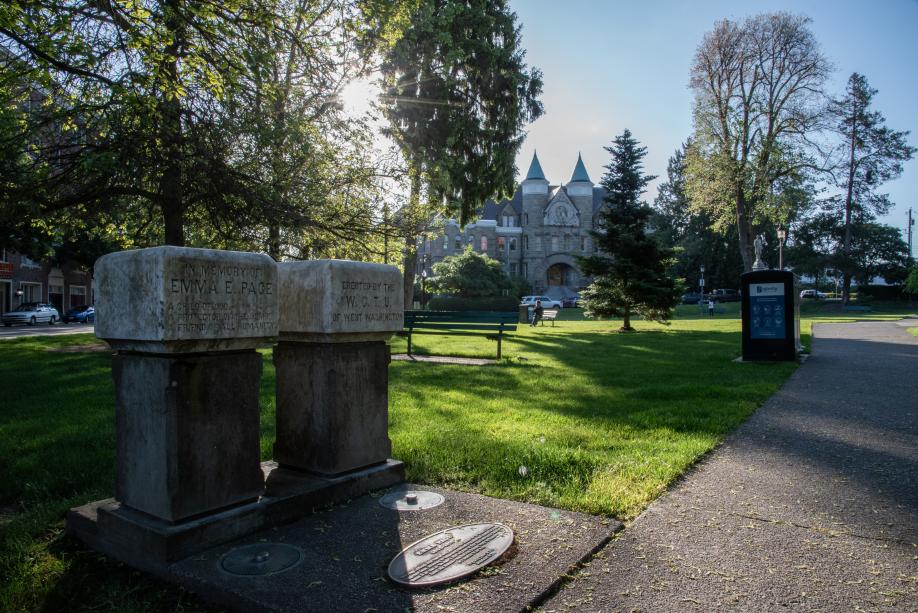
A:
[44, 330]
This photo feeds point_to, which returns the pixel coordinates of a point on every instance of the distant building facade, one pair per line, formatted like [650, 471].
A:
[25, 280]
[536, 235]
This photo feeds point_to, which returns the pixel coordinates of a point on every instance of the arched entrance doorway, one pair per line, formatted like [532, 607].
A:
[561, 275]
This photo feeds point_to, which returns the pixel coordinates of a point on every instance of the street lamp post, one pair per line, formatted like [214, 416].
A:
[423, 289]
[782, 234]
[701, 286]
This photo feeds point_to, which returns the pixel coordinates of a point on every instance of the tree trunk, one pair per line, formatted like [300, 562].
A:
[410, 222]
[744, 232]
[170, 181]
[849, 200]
[171, 196]
[274, 246]
[410, 263]
[626, 321]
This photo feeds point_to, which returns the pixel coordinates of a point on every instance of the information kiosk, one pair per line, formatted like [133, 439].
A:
[769, 316]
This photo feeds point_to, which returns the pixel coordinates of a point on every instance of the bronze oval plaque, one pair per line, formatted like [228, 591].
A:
[260, 559]
[451, 554]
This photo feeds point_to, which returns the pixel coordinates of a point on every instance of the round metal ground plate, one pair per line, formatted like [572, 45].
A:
[261, 559]
[411, 500]
[450, 554]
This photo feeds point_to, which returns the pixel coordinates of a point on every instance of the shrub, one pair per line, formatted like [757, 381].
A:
[490, 303]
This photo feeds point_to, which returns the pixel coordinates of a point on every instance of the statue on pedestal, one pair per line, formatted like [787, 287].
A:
[758, 244]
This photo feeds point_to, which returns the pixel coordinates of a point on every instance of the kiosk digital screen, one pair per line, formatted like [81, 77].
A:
[766, 311]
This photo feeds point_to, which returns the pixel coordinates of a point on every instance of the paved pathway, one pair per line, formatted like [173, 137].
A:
[812, 504]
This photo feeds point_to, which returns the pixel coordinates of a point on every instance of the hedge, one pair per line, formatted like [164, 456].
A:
[456, 303]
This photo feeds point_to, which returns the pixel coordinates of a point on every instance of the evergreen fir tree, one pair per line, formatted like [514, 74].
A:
[630, 273]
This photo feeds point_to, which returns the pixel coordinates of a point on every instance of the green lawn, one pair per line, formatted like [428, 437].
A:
[576, 416]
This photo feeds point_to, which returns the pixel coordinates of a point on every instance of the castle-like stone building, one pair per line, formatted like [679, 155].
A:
[536, 234]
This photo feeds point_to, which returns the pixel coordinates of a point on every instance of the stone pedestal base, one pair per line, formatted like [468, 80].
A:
[332, 405]
[151, 544]
[188, 432]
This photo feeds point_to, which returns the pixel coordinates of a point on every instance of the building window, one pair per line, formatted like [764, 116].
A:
[525, 219]
[512, 269]
[525, 242]
[445, 243]
[524, 269]
[77, 295]
[554, 243]
[501, 243]
[582, 243]
[484, 243]
[31, 292]
[512, 244]
[509, 221]
[458, 243]
[3, 256]
[471, 239]
[28, 262]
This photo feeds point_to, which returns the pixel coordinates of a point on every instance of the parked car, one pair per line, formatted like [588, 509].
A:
[571, 302]
[84, 314]
[813, 294]
[724, 295]
[31, 313]
[547, 303]
[691, 298]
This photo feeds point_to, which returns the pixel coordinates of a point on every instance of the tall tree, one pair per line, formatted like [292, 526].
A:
[457, 94]
[691, 232]
[871, 155]
[630, 271]
[757, 101]
[169, 103]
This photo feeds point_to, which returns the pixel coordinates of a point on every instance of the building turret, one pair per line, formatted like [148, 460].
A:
[580, 184]
[535, 181]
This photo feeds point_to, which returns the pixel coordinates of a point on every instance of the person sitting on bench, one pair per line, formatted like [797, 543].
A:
[537, 312]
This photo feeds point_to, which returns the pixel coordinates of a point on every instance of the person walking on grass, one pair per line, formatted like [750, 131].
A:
[710, 307]
[537, 312]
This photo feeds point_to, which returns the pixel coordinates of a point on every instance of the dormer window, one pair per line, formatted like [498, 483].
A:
[508, 221]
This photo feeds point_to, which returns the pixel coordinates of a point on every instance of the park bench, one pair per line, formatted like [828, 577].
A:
[857, 309]
[491, 323]
[549, 315]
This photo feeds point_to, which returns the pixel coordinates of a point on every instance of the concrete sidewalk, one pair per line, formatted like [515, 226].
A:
[812, 504]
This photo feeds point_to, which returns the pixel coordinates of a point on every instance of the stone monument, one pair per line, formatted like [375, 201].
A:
[332, 364]
[185, 324]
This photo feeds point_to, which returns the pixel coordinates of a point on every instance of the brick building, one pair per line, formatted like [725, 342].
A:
[25, 280]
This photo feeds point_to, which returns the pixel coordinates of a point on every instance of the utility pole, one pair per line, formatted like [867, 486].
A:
[911, 222]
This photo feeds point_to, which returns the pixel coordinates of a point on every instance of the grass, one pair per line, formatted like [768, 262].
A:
[576, 416]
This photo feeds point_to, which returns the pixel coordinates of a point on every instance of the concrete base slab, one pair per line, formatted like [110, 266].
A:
[348, 548]
[151, 544]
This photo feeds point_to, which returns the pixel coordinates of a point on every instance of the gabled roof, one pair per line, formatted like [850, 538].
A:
[535, 169]
[492, 209]
[580, 173]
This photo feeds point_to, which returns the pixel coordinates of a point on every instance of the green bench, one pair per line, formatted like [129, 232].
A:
[491, 323]
[857, 309]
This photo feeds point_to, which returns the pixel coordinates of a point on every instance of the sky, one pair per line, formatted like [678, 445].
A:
[611, 65]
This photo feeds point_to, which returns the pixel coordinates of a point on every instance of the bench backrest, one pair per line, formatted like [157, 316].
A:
[462, 320]
[549, 313]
